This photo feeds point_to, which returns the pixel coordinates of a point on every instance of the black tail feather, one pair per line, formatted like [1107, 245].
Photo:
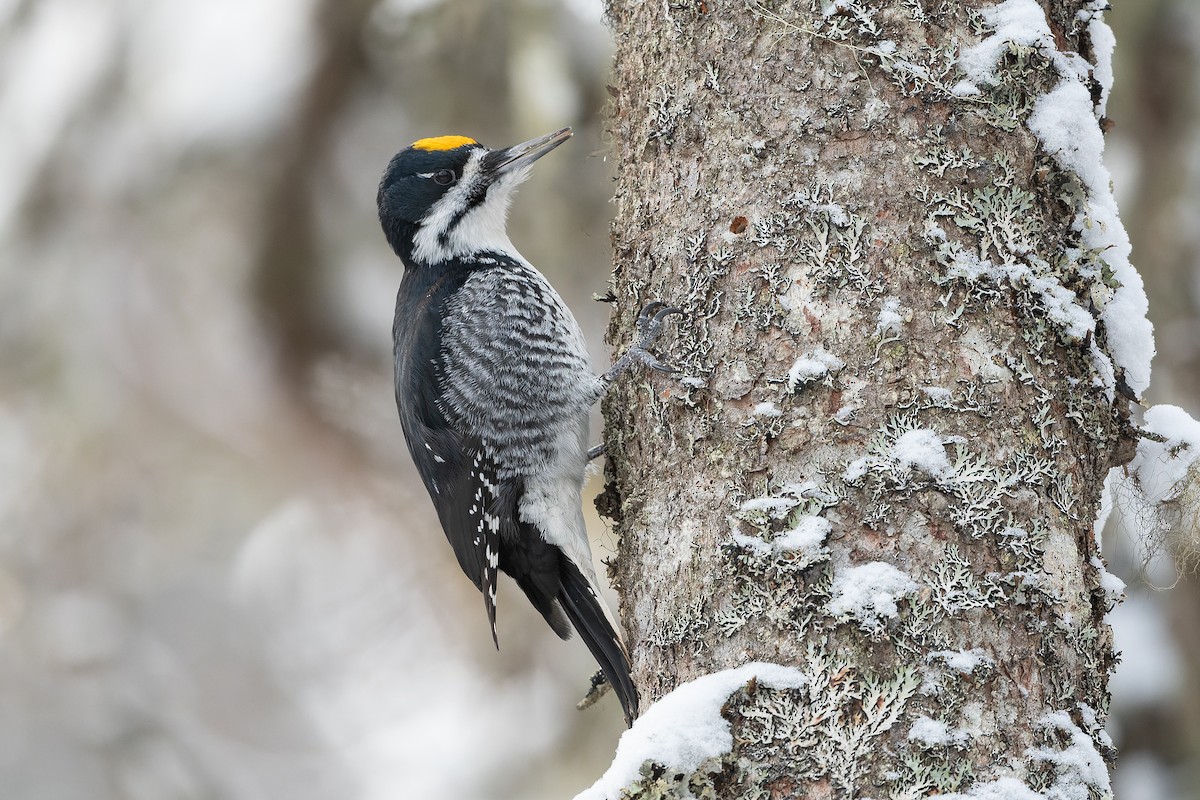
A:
[583, 608]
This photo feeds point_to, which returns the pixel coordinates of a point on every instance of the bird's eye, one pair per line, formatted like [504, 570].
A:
[443, 177]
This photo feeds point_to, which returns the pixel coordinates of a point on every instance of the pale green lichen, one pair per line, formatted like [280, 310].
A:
[777, 543]
[665, 112]
[823, 730]
[689, 626]
[940, 156]
[822, 237]
[957, 588]
[827, 729]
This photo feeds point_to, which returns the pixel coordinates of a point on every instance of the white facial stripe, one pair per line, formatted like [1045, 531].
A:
[481, 228]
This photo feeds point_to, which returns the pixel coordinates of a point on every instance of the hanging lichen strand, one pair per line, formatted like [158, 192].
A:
[911, 333]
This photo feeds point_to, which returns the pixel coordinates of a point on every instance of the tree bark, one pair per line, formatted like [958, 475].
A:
[885, 453]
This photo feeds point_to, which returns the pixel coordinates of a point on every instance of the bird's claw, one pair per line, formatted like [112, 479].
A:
[653, 362]
[650, 324]
[598, 688]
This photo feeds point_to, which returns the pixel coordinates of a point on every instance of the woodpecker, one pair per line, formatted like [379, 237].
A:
[494, 386]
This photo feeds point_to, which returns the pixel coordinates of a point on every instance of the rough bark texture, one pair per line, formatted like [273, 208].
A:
[796, 186]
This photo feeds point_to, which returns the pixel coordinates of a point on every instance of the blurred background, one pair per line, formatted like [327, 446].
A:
[219, 575]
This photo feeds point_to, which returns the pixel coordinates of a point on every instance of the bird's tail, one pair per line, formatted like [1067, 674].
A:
[587, 612]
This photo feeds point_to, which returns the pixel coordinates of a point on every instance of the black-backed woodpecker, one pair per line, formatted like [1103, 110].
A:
[494, 386]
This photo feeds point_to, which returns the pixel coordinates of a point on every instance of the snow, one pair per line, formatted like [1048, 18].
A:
[807, 537]
[1060, 304]
[1013, 21]
[812, 367]
[869, 593]
[933, 733]
[1079, 770]
[929, 731]
[1065, 121]
[855, 470]
[1103, 45]
[805, 370]
[890, 318]
[921, 448]
[752, 543]
[769, 410]
[965, 88]
[940, 396]
[837, 215]
[1002, 789]
[1079, 766]
[1112, 586]
[1106, 375]
[685, 728]
[806, 541]
[1021, 22]
[1091, 720]
[770, 506]
[1161, 468]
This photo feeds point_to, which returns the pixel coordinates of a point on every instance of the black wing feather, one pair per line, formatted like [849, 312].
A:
[456, 469]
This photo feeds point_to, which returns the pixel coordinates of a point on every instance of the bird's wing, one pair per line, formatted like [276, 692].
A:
[454, 465]
[463, 484]
[494, 382]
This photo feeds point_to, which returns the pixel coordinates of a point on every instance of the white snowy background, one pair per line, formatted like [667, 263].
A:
[219, 576]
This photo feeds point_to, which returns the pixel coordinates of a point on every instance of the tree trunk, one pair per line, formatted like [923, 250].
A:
[910, 328]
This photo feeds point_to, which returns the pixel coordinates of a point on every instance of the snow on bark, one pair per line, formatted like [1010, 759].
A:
[869, 593]
[1002, 789]
[685, 728]
[811, 367]
[1066, 122]
[1080, 771]
[921, 449]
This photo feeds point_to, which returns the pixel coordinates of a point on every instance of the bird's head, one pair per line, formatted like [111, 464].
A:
[448, 196]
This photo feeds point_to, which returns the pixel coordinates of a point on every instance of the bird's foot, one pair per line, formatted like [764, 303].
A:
[595, 452]
[650, 325]
[600, 687]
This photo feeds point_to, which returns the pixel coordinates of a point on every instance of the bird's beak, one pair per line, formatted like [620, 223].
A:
[522, 155]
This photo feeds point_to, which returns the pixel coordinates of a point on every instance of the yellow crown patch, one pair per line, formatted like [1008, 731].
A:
[443, 143]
